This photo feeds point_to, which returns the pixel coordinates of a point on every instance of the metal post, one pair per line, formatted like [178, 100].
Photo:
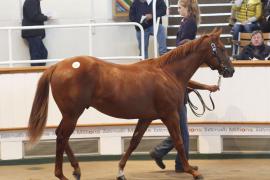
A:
[155, 28]
[142, 42]
[10, 48]
[90, 53]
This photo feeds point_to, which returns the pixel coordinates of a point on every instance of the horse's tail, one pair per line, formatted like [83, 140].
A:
[39, 112]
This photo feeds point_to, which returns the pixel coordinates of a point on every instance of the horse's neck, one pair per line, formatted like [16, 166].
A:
[184, 68]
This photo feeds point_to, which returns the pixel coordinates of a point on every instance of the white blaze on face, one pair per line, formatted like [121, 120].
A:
[76, 65]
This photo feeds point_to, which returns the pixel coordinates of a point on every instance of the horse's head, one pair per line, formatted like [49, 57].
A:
[218, 57]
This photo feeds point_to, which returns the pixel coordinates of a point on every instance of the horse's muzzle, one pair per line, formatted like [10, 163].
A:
[227, 72]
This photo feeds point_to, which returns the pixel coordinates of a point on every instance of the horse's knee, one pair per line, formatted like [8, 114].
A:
[59, 138]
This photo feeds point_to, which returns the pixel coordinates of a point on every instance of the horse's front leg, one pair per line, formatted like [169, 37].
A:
[172, 123]
[140, 129]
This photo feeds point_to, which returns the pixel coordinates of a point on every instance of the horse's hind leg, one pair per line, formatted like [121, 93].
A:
[63, 132]
[140, 129]
[73, 161]
[173, 127]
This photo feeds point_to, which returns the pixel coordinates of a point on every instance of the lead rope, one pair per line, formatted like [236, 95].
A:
[204, 106]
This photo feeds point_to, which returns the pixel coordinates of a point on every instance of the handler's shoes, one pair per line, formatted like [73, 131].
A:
[181, 170]
[157, 159]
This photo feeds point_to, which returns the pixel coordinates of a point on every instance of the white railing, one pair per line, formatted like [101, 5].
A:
[11, 61]
[155, 27]
[209, 5]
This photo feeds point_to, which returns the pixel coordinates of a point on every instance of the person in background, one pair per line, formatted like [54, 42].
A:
[32, 16]
[190, 12]
[265, 20]
[247, 14]
[232, 18]
[141, 12]
[256, 50]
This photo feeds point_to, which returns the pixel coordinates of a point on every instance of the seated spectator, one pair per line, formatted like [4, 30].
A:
[232, 18]
[265, 20]
[247, 14]
[256, 50]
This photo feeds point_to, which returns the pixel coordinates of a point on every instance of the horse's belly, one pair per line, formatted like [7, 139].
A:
[127, 112]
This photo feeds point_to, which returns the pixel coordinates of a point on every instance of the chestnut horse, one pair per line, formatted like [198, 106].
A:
[147, 90]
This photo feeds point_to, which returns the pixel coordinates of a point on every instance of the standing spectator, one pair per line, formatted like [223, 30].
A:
[32, 16]
[247, 14]
[256, 50]
[191, 19]
[265, 20]
[187, 31]
[141, 12]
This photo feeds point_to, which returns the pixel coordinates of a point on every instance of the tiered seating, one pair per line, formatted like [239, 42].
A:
[213, 13]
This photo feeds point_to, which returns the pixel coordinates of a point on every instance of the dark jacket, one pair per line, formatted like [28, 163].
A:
[266, 8]
[139, 8]
[259, 52]
[187, 30]
[32, 16]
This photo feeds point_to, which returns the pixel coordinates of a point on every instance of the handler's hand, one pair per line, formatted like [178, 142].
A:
[212, 88]
[149, 17]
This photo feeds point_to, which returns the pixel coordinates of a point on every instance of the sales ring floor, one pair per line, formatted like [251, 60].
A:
[224, 169]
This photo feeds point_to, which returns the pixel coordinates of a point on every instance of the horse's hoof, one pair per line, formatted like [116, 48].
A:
[121, 178]
[63, 178]
[199, 177]
[77, 176]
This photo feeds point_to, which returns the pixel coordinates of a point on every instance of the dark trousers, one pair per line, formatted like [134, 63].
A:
[265, 26]
[37, 50]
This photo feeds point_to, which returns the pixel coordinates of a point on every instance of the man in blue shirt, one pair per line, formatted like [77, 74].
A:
[141, 12]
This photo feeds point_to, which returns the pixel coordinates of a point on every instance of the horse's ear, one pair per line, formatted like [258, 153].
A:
[218, 32]
[214, 30]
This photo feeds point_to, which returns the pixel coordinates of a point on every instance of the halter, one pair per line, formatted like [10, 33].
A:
[204, 106]
[214, 52]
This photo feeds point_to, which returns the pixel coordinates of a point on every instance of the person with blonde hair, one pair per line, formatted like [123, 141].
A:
[189, 10]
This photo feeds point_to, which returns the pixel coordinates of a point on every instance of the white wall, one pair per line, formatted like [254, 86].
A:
[243, 98]
[63, 43]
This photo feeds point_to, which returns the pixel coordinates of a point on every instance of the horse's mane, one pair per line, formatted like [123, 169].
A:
[174, 54]
[181, 51]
